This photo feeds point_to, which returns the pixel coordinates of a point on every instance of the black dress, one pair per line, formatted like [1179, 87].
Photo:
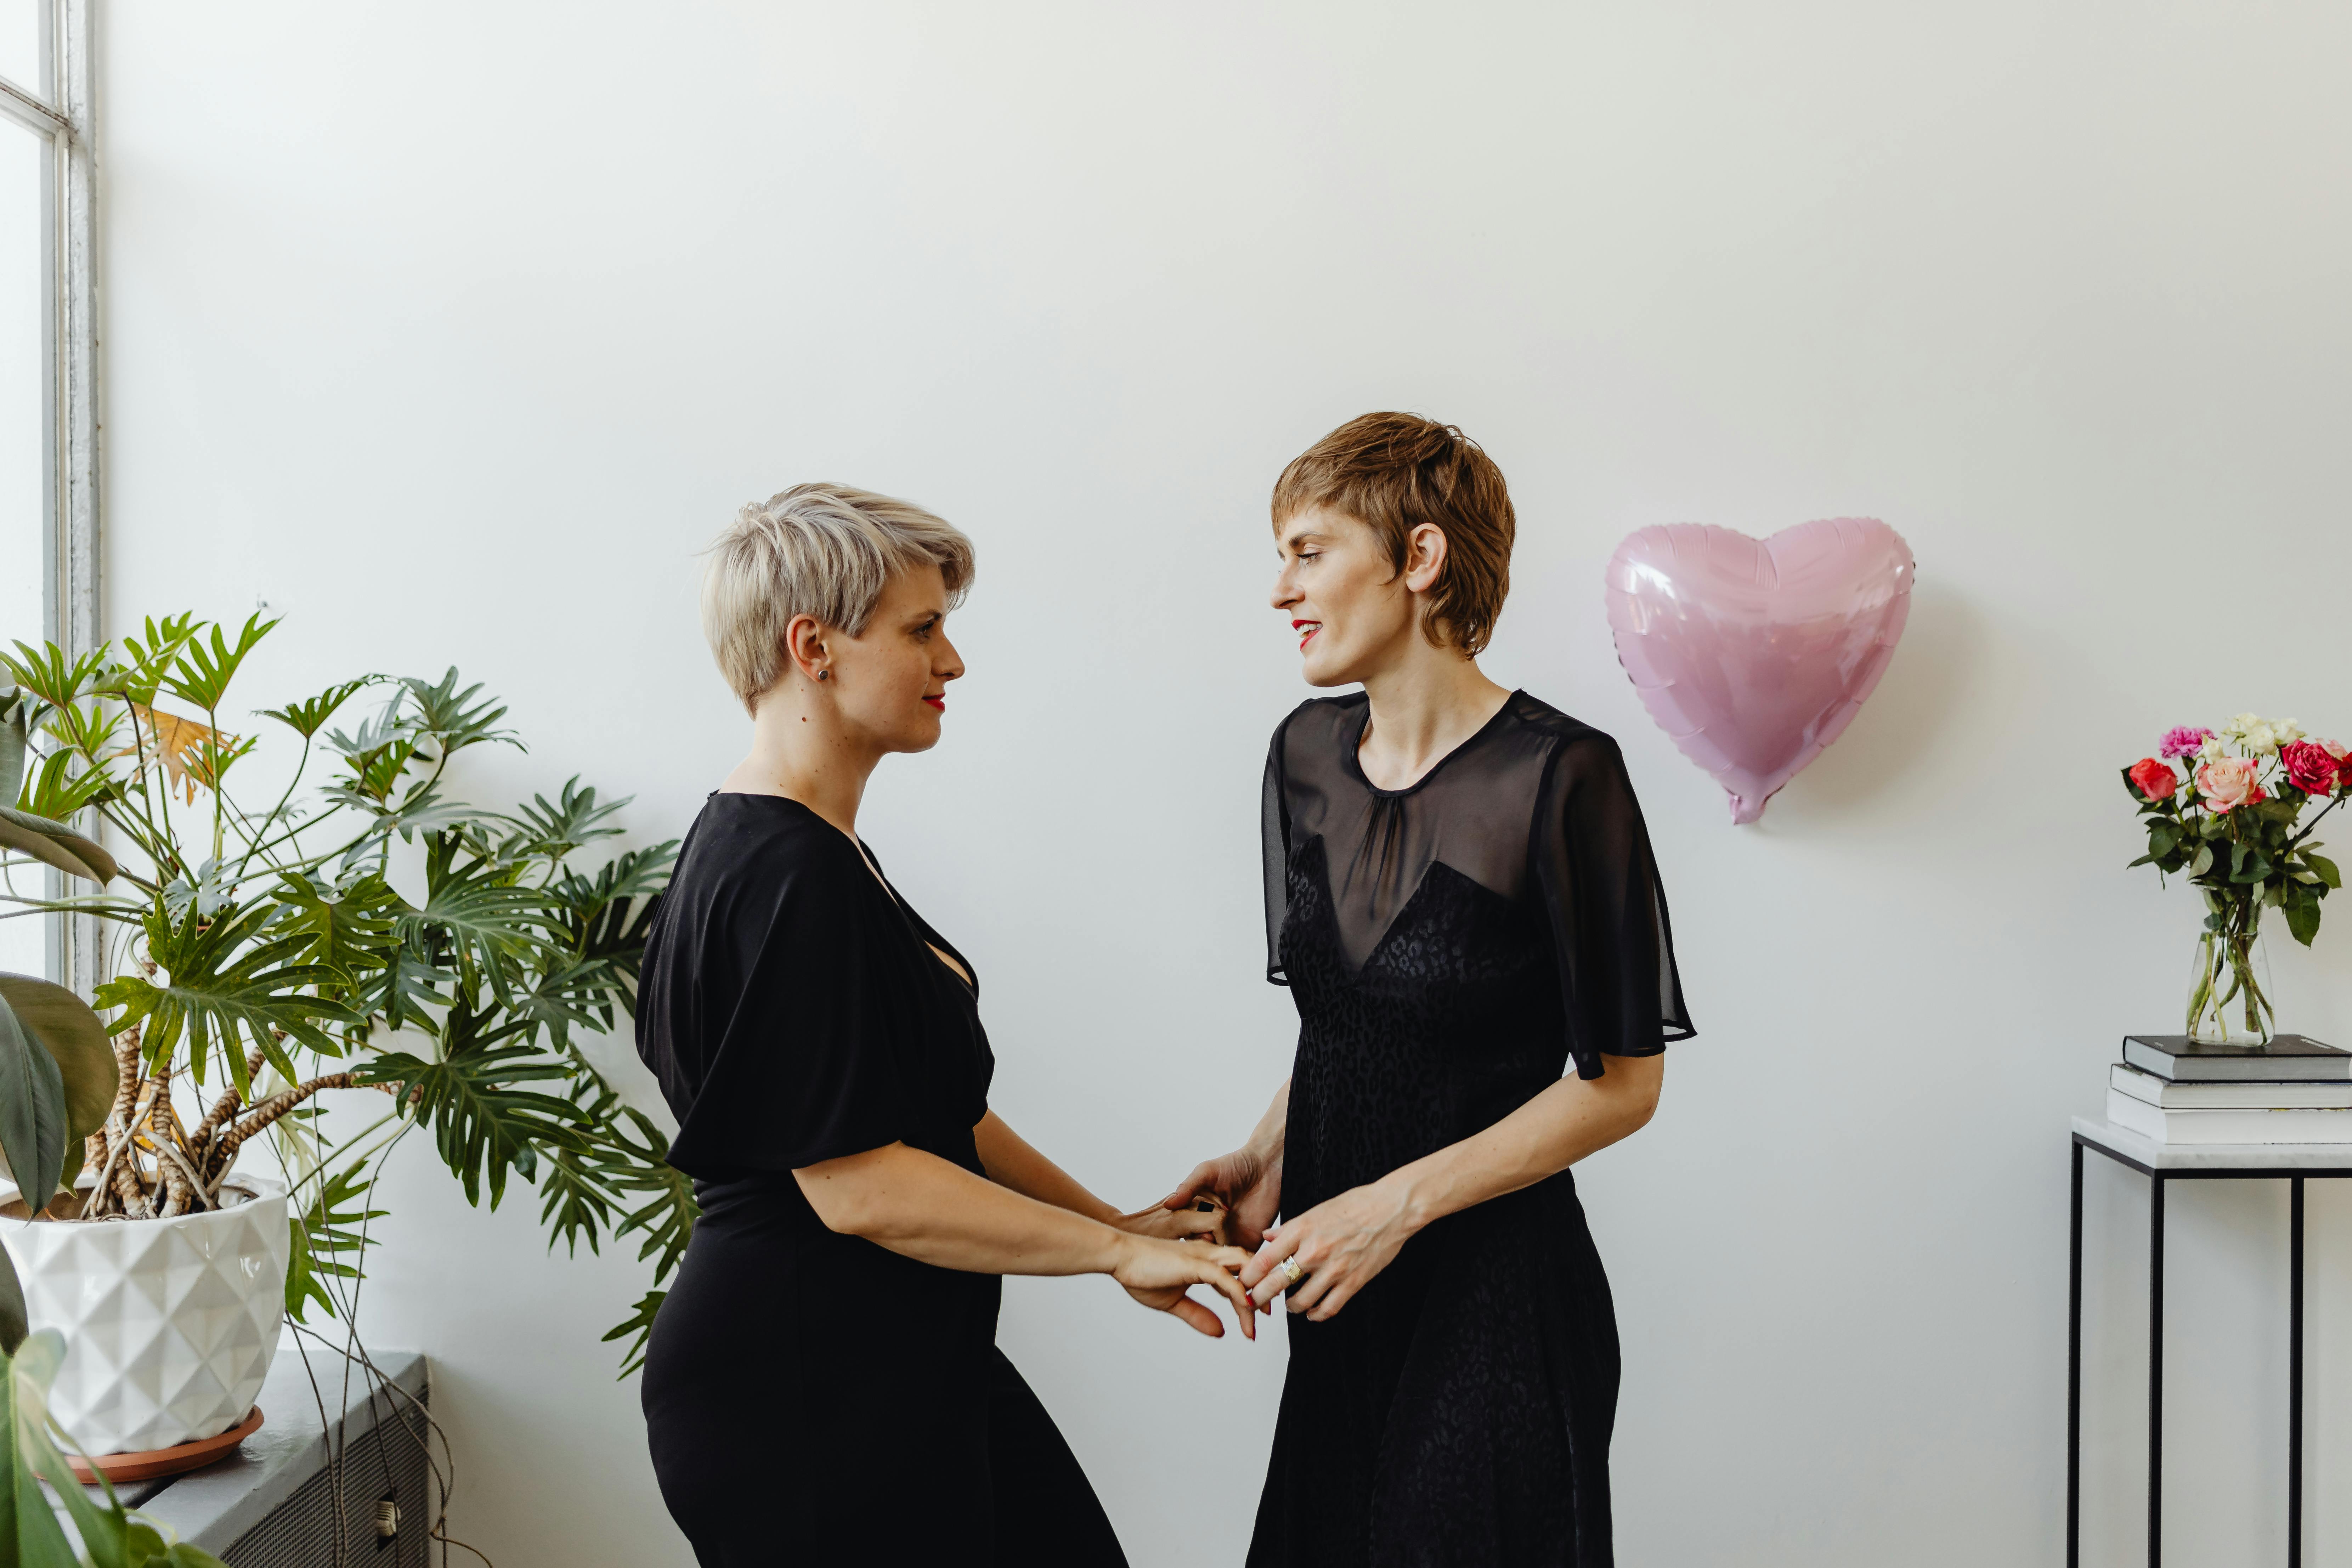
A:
[813, 1398]
[1452, 947]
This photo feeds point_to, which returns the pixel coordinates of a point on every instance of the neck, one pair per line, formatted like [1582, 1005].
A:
[1422, 706]
[801, 750]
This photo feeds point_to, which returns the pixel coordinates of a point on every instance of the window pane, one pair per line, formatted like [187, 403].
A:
[23, 518]
[20, 48]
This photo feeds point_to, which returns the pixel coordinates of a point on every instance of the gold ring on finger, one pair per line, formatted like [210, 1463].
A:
[1291, 1271]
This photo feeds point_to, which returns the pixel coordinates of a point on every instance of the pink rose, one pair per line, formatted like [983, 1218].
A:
[2228, 783]
[2343, 755]
[2310, 768]
[2154, 780]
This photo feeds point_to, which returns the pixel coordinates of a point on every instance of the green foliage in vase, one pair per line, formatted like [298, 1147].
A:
[264, 953]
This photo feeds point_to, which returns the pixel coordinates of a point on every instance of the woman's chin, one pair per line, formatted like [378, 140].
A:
[1322, 672]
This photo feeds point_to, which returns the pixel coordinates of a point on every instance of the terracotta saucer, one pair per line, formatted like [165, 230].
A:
[173, 1461]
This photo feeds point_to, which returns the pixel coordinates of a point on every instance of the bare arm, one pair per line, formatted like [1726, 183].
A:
[938, 1213]
[1012, 1162]
[1343, 1243]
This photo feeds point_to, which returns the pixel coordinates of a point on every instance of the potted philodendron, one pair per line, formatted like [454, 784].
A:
[258, 958]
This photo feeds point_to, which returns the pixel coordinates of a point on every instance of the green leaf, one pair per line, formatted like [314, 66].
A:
[31, 1534]
[228, 982]
[32, 1112]
[482, 1125]
[308, 717]
[201, 674]
[150, 658]
[51, 792]
[2204, 861]
[444, 717]
[330, 1226]
[640, 1330]
[48, 674]
[553, 831]
[348, 928]
[14, 1320]
[473, 910]
[54, 844]
[13, 722]
[2302, 909]
[2325, 868]
[73, 1035]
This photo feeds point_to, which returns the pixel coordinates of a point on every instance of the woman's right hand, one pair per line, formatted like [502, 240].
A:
[1249, 1182]
[1159, 1274]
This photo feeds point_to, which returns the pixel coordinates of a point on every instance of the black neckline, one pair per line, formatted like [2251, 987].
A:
[914, 923]
[1355, 742]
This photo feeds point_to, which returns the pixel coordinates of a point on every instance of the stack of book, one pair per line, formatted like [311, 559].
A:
[2172, 1090]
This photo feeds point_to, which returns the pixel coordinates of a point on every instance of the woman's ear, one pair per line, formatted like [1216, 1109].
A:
[1424, 557]
[804, 645]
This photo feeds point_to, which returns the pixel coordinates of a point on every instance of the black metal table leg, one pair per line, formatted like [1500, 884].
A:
[2075, 1372]
[2295, 1379]
[2156, 1371]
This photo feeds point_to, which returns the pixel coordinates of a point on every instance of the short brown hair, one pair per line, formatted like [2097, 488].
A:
[1394, 473]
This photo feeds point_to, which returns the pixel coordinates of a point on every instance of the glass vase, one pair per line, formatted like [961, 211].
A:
[2230, 985]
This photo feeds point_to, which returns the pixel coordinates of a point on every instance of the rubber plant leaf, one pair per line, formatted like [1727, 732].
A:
[54, 844]
[32, 1112]
[29, 1531]
[67, 1028]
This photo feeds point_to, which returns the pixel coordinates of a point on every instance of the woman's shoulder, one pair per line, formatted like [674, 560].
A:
[1319, 721]
[1538, 719]
[768, 839]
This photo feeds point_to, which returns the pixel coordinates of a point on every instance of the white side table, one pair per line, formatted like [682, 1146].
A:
[2161, 1164]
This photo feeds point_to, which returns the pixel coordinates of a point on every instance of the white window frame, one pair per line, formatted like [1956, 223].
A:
[59, 108]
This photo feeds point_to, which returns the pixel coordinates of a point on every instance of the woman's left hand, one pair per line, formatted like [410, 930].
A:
[1340, 1245]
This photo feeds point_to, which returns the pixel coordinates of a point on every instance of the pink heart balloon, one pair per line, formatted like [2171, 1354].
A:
[1753, 655]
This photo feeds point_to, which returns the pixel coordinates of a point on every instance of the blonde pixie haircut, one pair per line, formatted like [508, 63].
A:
[818, 550]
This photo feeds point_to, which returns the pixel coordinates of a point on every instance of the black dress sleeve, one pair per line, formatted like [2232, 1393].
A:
[1273, 830]
[789, 992]
[1608, 912]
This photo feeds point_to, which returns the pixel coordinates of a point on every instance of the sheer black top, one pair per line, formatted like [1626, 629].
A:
[1536, 809]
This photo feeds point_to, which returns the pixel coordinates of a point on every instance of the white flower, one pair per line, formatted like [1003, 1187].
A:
[2261, 736]
[2214, 746]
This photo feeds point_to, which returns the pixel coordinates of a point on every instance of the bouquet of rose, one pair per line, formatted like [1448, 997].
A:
[2223, 810]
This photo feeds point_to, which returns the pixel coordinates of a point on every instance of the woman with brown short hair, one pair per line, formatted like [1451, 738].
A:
[1461, 896]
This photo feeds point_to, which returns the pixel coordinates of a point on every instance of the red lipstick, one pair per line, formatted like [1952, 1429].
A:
[940, 702]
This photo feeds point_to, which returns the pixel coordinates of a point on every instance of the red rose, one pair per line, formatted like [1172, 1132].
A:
[2156, 780]
[2309, 767]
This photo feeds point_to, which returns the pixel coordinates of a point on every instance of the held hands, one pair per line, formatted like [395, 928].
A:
[1249, 1182]
[1336, 1246]
[1160, 1274]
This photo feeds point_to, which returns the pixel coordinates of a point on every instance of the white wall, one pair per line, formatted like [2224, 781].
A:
[455, 330]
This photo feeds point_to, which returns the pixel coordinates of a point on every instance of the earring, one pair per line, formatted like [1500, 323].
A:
[824, 675]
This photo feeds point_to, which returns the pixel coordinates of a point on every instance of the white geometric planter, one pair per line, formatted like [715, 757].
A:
[170, 1324]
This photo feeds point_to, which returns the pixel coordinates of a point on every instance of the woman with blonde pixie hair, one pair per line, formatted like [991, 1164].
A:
[1460, 894]
[824, 1384]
